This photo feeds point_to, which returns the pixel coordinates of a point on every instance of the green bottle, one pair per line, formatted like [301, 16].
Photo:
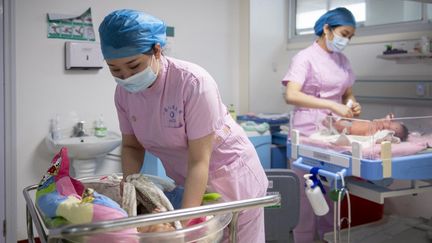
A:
[231, 110]
[100, 129]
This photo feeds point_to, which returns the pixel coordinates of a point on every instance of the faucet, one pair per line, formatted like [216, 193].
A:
[79, 130]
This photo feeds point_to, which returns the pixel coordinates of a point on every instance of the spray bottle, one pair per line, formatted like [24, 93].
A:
[315, 197]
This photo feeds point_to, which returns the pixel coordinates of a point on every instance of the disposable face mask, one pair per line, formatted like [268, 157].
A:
[337, 44]
[139, 81]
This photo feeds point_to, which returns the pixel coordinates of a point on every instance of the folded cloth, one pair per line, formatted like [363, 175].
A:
[138, 190]
[108, 186]
[397, 150]
[253, 126]
[421, 138]
[386, 135]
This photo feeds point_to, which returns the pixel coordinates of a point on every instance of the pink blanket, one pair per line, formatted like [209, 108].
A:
[413, 145]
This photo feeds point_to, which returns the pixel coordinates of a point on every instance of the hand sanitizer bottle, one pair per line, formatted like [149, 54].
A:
[232, 111]
[100, 129]
[315, 197]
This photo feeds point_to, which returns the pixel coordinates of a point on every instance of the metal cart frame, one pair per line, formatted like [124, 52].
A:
[48, 235]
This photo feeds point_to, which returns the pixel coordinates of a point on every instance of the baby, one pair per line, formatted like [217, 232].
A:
[367, 128]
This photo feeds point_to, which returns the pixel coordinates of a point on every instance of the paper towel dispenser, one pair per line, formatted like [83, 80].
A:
[83, 55]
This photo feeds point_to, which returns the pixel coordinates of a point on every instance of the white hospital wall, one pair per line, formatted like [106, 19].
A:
[206, 32]
[269, 60]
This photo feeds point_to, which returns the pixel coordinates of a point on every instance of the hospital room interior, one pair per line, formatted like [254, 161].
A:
[216, 121]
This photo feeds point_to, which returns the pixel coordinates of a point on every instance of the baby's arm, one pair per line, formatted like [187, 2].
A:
[337, 125]
[342, 125]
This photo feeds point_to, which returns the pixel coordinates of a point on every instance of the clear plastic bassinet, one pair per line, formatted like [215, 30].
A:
[224, 215]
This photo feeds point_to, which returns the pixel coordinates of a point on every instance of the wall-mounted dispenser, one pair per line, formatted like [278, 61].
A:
[83, 55]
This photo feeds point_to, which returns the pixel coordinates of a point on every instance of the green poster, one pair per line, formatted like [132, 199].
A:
[74, 27]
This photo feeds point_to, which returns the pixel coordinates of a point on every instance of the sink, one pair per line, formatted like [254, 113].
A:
[87, 147]
[84, 152]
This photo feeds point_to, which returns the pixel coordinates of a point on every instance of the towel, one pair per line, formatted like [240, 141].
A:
[140, 193]
[253, 126]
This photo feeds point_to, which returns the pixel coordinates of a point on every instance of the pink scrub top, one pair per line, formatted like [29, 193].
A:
[183, 104]
[321, 74]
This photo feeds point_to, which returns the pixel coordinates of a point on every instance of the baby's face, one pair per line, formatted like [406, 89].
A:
[388, 124]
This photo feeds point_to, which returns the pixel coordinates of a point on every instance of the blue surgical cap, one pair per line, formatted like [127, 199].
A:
[335, 17]
[125, 33]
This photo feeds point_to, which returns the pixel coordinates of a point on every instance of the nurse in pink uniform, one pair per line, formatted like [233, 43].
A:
[173, 109]
[319, 83]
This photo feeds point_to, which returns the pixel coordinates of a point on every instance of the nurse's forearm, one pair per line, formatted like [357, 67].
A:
[348, 95]
[195, 184]
[132, 160]
[301, 99]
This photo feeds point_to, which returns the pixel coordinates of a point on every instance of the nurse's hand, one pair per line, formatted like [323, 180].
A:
[342, 110]
[356, 109]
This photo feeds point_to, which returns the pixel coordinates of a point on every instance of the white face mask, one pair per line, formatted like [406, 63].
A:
[337, 44]
[139, 81]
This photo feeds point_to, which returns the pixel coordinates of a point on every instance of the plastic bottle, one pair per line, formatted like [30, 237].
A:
[350, 103]
[100, 129]
[55, 128]
[315, 197]
[232, 111]
[425, 45]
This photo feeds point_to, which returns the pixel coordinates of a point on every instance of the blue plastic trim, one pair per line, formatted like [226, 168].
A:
[411, 167]
[328, 174]
[279, 121]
